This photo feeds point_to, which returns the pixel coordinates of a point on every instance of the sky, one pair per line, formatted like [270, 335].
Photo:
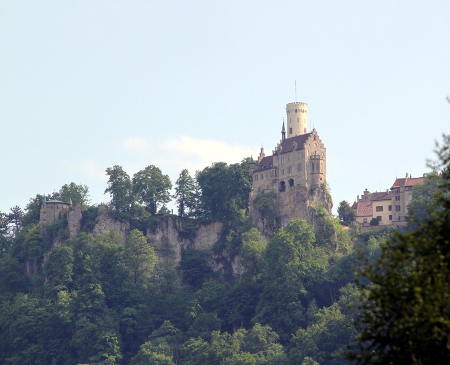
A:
[85, 85]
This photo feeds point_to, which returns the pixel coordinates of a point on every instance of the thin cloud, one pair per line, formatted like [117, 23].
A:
[198, 153]
[135, 144]
[92, 169]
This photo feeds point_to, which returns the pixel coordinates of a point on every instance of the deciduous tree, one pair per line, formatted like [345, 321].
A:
[406, 318]
[139, 257]
[120, 189]
[152, 188]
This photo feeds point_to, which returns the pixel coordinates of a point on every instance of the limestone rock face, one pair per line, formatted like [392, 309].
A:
[106, 223]
[169, 240]
[74, 221]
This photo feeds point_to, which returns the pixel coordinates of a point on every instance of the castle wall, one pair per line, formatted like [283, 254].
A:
[50, 212]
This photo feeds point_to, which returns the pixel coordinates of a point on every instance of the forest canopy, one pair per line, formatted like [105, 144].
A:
[305, 294]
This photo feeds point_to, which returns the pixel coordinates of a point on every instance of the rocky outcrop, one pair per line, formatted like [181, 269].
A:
[106, 223]
[170, 237]
[74, 221]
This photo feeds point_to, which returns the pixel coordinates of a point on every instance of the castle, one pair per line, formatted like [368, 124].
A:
[294, 175]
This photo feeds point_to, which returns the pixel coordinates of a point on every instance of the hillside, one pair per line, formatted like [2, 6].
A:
[131, 283]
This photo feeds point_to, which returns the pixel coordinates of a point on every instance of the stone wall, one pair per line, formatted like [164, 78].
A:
[50, 212]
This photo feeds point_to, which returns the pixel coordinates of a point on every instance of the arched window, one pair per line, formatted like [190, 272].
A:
[291, 182]
[282, 186]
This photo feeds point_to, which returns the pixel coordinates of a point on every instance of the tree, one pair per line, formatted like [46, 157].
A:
[76, 193]
[253, 250]
[294, 263]
[120, 189]
[152, 188]
[264, 203]
[406, 316]
[139, 257]
[421, 206]
[346, 213]
[225, 189]
[259, 345]
[152, 353]
[59, 268]
[185, 193]
[328, 334]
[5, 237]
[194, 267]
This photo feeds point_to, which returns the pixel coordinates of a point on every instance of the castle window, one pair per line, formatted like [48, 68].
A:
[390, 217]
[291, 182]
[390, 208]
[379, 208]
[379, 218]
[397, 208]
[282, 186]
[397, 197]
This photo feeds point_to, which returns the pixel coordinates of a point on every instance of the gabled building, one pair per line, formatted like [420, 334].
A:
[389, 207]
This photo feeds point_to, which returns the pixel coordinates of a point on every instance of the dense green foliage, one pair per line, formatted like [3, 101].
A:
[187, 195]
[346, 213]
[285, 299]
[406, 314]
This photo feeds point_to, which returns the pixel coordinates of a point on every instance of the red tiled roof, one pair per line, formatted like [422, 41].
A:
[364, 208]
[407, 182]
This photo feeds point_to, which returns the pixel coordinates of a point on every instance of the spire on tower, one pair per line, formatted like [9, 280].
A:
[283, 132]
[261, 154]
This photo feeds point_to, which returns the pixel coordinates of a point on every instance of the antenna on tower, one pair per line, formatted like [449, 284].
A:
[295, 90]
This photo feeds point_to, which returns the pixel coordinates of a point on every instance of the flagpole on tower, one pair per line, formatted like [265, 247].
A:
[295, 90]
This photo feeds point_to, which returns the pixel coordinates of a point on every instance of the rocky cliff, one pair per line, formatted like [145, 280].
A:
[170, 236]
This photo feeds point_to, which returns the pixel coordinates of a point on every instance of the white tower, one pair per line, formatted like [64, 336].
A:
[297, 119]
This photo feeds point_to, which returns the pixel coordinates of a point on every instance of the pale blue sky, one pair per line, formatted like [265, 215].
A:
[88, 84]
